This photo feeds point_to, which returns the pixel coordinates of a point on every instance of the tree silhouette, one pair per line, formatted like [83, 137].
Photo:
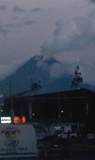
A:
[36, 86]
[77, 78]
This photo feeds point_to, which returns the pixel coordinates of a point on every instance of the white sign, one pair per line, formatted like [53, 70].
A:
[5, 119]
[18, 141]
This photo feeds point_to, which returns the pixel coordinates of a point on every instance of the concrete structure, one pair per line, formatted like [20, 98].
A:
[67, 106]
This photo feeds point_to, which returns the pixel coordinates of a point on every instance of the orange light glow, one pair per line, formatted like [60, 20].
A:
[24, 119]
[20, 119]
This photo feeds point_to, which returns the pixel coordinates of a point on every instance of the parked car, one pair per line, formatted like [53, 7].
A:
[62, 134]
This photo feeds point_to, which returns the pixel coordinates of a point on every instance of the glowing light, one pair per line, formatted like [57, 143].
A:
[20, 119]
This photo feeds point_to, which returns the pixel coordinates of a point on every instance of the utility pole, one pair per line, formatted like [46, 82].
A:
[30, 110]
[11, 101]
[59, 110]
[1, 103]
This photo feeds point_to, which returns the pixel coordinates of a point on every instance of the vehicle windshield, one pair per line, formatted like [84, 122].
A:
[47, 79]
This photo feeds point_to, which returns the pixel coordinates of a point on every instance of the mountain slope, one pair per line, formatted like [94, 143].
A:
[51, 74]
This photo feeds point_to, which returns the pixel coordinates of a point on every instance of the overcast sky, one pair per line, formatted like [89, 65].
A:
[64, 29]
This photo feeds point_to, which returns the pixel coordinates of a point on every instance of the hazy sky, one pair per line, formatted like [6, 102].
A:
[64, 29]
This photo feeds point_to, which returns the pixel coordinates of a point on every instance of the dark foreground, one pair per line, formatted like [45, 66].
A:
[75, 157]
[84, 156]
[67, 149]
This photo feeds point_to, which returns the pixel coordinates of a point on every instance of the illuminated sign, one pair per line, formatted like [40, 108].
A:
[20, 119]
[16, 119]
[5, 119]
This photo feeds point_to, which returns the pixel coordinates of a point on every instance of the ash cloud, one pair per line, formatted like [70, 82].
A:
[74, 40]
[69, 35]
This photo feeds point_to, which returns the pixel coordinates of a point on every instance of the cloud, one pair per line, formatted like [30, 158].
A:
[57, 68]
[7, 70]
[36, 10]
[74, 41]
[29, 23]
[18, 9]
[93, 1]
[9, 25]
[14, 18]
[3, 7]
[3, 31]
[92, 14]
[69, 35]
